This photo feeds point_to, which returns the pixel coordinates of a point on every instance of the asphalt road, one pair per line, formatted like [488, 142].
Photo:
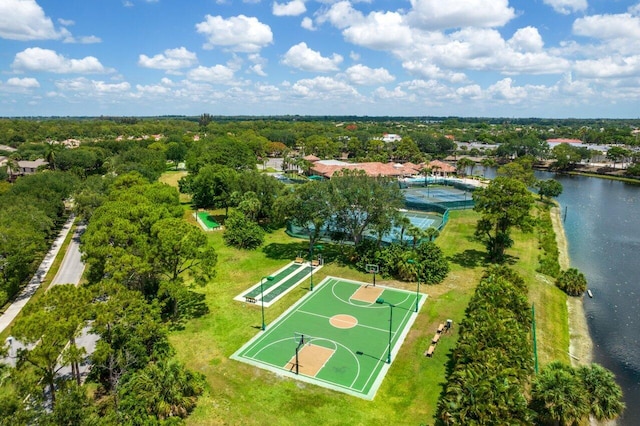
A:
[70, 272]
[71, 268]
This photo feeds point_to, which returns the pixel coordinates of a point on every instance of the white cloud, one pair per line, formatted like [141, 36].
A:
[25, 83]
[85, 85]
[567, 6]
[152, 89]
[385, 94]
[66, 22]
[293, 8]
[323, 88]
[89, 39]
[341, 15]
[609, 67]
[427, 69]
[238, 33]
[171, 59]
[363, 75]
[438, 14]
[472, 91]
[477, 49]
[302, 57]
[527, 39]
[258, 69]
[307, 24]
[218, 74]
[25, 20]
[505, 90]
[608, 27]
[45, 60]
[380, 31]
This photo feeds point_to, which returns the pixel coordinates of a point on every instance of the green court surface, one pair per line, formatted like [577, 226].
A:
[284, 280]
[346, 336]
[207, 221]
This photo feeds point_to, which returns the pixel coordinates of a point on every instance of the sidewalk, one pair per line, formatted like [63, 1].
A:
[12, 311]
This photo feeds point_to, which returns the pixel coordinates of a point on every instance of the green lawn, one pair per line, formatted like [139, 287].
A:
[239, 393]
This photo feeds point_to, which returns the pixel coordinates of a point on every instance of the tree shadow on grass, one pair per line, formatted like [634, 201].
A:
[286, 251]
[469, 258]
[190, 304]
[289, 251]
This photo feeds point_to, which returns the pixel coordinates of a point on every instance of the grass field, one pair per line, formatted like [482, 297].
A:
[341, 333]
[240, 394]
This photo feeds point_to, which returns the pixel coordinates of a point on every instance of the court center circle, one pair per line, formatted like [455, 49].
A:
[343, 321]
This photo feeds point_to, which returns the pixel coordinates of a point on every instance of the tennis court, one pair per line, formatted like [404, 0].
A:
[337, 336]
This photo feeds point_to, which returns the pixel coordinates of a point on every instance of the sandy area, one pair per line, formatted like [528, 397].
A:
[580, 346]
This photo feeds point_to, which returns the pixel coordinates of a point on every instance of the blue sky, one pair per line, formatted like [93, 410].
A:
[489, 58]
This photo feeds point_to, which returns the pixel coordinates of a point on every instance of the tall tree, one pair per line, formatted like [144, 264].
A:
[181, 248]
[308, 207]
[46, 327]
[549, 188]
[504, 204]
[360, 201]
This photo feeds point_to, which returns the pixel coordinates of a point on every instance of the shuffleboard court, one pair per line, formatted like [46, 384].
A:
[337, 336]
[279, 284]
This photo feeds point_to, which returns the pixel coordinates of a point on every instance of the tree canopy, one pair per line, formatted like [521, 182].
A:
[504, 204]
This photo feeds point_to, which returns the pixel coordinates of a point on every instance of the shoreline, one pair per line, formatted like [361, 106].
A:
[580, 343]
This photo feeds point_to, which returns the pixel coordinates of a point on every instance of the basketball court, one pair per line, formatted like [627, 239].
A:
[340, 336]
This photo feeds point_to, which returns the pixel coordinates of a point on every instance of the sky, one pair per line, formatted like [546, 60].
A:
[469, 58]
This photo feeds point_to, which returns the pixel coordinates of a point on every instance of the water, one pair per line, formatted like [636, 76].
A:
[603, 230]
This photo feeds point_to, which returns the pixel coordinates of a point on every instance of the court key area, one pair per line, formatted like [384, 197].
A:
[342, 336]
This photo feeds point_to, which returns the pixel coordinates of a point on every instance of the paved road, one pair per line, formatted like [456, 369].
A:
[70, 272]
[72, 267]
[12, 311]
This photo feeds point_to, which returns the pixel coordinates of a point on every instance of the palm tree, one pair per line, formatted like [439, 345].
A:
[164, 389]
[52, 150]
[415, 233]
[462, 165]
[403, 222]
[431, 233]
[605, 396]
[487, 163]
[558, 395]
[426, 171]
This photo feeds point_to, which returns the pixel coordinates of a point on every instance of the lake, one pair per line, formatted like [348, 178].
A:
[603, 230]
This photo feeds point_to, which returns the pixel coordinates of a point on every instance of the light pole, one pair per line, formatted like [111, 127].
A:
[381, 302]
[418, 287]
[319, 247]
[269, 278]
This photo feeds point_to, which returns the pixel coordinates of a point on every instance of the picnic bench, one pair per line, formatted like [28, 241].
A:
[299, 260]
[315, 263]
[440, 328]
[429, 352]
[435, 338]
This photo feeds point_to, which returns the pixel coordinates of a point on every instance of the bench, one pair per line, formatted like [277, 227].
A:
[440, 328]
[429, 352]
[435, 338]
[315, 263]
[299, 260]
[250, 299]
